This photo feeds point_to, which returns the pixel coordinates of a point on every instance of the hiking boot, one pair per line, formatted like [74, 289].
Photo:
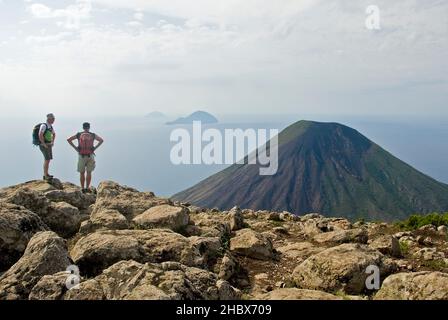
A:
[85, 190]
[48, 178]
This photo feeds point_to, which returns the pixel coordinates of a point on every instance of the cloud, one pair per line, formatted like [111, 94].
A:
[48, 38]
[289, 55]
[134, 24]
[71, 16]
[139, 16]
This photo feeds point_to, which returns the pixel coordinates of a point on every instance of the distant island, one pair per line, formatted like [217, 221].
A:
[204, 117]
[156, 115]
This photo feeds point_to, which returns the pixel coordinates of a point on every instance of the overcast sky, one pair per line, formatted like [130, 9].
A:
[232, 56]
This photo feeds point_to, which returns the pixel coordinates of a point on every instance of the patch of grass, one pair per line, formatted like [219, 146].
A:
[437, 265]
[342, 294]
[417, 221]
[277, 223]
[404, 246]
[225, 242]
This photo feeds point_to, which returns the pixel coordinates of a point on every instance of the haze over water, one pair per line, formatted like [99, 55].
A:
[136, 151]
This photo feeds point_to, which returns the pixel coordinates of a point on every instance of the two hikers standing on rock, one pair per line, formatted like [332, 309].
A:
[44, 136]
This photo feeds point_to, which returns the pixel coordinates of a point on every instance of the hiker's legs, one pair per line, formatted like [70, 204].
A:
[83, 179]
[46, 167]
[89, 179]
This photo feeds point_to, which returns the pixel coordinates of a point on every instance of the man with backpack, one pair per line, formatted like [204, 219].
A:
[44, 137]
[86, 150]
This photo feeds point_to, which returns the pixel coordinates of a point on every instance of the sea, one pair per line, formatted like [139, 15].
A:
[137, 149]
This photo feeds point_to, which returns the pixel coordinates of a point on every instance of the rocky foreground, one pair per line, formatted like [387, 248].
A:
[134, 245]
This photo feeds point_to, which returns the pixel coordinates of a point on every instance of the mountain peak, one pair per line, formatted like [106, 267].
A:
[328, 168]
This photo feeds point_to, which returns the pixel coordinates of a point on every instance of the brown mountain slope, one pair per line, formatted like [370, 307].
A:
[328, 168]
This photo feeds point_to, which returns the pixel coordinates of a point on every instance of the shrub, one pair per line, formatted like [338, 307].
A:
[417, 221]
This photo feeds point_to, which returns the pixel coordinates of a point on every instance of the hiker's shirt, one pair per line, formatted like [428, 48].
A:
[47, 130]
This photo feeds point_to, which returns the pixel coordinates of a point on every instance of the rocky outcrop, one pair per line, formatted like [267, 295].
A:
[128, 201]
[340, 268]
[45, 254]
[17, 226]
[101, 249]
[60, 217]
[134, 245]
[414, 286]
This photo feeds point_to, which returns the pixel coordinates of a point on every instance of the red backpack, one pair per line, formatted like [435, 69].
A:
[86, 143]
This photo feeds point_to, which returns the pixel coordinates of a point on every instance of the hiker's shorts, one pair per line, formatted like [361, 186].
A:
[47, 152]
[86, 163]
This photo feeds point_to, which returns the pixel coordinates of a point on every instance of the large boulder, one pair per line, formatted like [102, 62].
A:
[73, 195]
[63, 218]
[252, 244]
[50, 287]
[17, 226]
[45, 254]
[341, 268]
[296, 294]
[128, 201]
[106, 219]
[164, 216]
[342, 236]
[99, 250]
[32, 200]
[130, 280]
[414, 286]
[211, 225]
